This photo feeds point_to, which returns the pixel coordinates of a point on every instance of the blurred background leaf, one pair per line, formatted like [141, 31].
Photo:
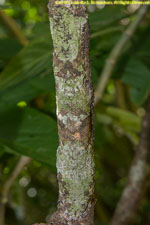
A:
[29, 132]
[27, 109]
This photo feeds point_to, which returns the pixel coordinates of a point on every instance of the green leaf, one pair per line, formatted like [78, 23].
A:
[41, 28]
[137, 76]
[127, 121]
[27, 90]
[5, 6]
[29, 132]
[8, 48]
[27, 74]
[125, 118]
[106, 17]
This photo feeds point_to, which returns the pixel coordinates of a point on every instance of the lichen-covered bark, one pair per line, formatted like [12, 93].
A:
[138, 174]
[74, 96]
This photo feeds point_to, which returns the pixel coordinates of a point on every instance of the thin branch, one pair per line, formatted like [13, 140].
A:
[138, 172]
[13, 27]
[105, 31]
[115, 53]
[132, 193]
[23, 161]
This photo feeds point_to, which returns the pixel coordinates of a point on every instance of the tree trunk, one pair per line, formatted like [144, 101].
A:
[138, 173]
[74, 96]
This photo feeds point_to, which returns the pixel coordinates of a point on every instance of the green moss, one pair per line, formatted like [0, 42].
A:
[66, 32]
[71, 93]
[75, 164]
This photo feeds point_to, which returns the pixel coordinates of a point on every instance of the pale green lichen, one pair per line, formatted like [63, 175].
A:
[137, 171]
[71, 92]
[56, 69]
[70, 117]
[75, 164]
[66, 32]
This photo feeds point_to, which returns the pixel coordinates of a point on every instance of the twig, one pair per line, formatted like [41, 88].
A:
[105, 31]
[115, 53]
[23, 161]
[132, 193]
[138, 172]
[13, 27]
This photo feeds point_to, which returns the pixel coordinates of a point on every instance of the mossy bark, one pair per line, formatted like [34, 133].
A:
[74, 96]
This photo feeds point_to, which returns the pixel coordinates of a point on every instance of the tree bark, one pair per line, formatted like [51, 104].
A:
[74, 97]
[138, 173]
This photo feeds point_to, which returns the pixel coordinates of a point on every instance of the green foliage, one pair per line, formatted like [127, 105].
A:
[8, 48]
[137, 76]
[107, 17]
[27, 107]
[29, 132]
[28, 74]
